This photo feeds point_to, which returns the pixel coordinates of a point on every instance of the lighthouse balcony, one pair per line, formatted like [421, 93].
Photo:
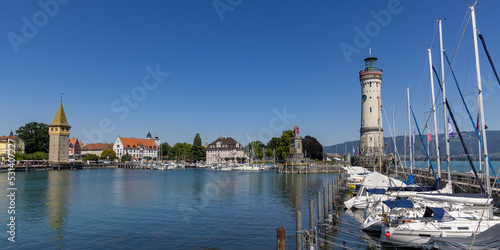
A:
[370, 72]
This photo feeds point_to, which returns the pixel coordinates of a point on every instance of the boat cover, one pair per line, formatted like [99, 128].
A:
[399, 203]
[489, 239]
[376, 190]
[437, 185]
[436, 213]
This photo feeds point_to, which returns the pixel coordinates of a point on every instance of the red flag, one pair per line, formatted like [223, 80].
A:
[429, 136]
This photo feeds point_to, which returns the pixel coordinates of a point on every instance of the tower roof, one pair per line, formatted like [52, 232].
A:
[60, 118]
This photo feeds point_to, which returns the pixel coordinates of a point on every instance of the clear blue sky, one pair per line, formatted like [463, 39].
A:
[229, 68]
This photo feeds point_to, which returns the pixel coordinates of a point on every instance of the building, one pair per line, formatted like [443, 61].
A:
[59, 131]
[371, 142]
[95, 148]
[75, 148]
[137, 148]
[222, 148]
[371, 132]
[17, 146]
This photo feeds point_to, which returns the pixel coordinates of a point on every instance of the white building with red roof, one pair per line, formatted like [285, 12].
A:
[136, 147]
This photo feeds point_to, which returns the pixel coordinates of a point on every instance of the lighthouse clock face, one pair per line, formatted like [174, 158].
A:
[363, 98]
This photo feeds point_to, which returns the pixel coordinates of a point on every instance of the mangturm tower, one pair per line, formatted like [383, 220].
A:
[371, 141]
[59, 131]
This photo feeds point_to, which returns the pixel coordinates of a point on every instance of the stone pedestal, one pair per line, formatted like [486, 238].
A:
[296, 152]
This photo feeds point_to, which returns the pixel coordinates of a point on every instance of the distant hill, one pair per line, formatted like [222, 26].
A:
[456, 149]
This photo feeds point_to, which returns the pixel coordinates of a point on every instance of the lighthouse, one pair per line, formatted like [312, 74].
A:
[371, 133]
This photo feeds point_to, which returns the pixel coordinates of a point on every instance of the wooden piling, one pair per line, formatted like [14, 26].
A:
[280, 239]
[311, 215]
[329, 197]
[325, 203]
[319, 207]
[299, 230]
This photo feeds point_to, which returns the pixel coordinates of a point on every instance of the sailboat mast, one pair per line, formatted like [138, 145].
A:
[434, 114]
[394, 140]
[409, 129]
[481, 110]
[445, 114]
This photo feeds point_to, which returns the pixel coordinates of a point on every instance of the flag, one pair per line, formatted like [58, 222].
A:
[413, 135]
[358, 150]
[450, 129]
[429, 136]
[353, 151]
[405, 138]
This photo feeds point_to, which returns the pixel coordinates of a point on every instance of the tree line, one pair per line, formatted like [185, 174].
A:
[36, 138]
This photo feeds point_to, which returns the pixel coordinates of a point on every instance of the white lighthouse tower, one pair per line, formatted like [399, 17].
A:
[371, 133]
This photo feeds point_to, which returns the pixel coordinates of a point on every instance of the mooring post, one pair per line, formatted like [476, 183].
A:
[319, 207]
[329, 197]
[299, 230]
[325, 203]
[311, 215]
[280, 238]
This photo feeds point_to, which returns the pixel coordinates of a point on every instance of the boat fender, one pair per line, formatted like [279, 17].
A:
[387, 234]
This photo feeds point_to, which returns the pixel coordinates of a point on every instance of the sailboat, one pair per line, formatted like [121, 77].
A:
[436, 222]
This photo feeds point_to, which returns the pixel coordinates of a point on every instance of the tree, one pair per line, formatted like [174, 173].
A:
[274, 143]
[39, 156]
[283, 148]
[269, 152]
[108, 152]
[198, 151]
[90, 157]
[126, 157]
[165, 149]
[181, 151]
[313, 148]
[35, 136]
[257, 147]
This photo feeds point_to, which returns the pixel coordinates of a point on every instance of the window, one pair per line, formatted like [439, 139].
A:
[56, 129]
[370, 109]
[51, 129]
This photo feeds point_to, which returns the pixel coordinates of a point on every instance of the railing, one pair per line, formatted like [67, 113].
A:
[368, 72]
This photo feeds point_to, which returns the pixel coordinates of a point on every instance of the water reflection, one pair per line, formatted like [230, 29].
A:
[57, 204]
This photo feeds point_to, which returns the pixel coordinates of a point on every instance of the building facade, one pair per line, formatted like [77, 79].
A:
[75, 148]
[222, 148]
[137, 148]
[96, 148]
[13, 143]
[59, 131]
[371, 132]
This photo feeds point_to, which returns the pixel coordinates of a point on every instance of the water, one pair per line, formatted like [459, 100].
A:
[180, 209]
[457, 166]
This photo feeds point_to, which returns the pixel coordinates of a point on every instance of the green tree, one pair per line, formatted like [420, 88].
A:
[126, 157]
[165, 150]
[39, 156]
[283, 148]
[35, 136]
[269, 152]
[198, 151]
[108, 152]
[257, 147]
[274, 143]
[181, 150]
[90, 157]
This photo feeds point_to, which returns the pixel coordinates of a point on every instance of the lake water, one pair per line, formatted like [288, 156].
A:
[179, 209]
[457, 166]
